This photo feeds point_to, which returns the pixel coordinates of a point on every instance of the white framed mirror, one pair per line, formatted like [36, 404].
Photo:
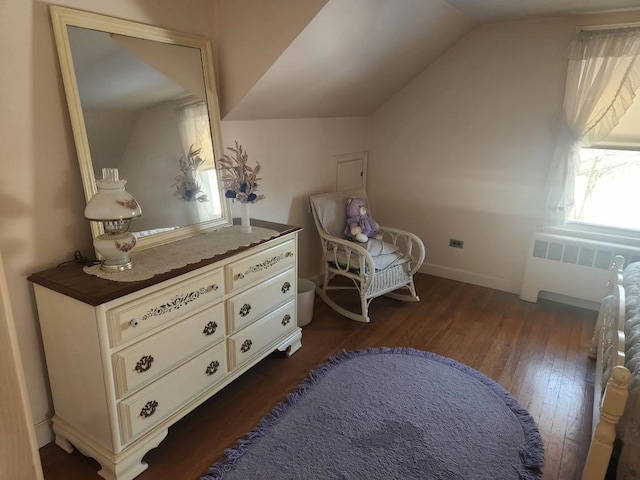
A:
[143, 99]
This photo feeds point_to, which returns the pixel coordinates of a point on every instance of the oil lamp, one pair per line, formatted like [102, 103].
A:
[114, 207]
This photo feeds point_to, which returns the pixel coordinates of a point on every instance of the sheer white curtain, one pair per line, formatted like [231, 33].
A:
[602, 81]
[195, 130]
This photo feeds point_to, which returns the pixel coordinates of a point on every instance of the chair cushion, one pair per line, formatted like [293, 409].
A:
[331, 210]
[378, 247]
[385, 261]
[384, 255]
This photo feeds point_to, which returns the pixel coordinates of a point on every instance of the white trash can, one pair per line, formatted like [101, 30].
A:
[306, 295]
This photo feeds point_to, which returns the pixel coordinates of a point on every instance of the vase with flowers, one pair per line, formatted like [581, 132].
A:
[240, 181]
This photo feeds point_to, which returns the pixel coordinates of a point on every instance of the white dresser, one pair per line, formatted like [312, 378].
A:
[127, 360]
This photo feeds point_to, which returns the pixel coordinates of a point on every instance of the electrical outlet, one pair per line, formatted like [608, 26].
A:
[455, 243]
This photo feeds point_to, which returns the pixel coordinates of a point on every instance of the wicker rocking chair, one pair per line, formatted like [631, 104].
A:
[377, 267]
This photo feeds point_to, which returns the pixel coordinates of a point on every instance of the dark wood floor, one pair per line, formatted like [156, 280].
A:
[538, 352]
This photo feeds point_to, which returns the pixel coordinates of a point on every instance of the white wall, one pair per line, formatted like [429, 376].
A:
[463, 151]
[296, 158]
[41, 204]
[41, 199]
[18, 449]
[108, 132]
[441, 150]
[156, 146]
[250, 35]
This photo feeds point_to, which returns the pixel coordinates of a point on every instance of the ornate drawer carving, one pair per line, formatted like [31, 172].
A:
[246, 307]
[143, 315]
[142, 362]
[165, 396]
[249, 342]
[259, 266]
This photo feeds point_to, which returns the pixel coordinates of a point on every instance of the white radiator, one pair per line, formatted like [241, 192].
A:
[570, 266]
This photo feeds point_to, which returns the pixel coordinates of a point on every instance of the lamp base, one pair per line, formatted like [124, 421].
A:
[115, 248]
[115, 267]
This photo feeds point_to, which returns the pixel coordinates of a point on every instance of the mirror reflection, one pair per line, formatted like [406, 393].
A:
[145, 112]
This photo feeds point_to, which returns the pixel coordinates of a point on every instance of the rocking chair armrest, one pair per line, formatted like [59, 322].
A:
[350, 245]
[407, 242]
[336, 244]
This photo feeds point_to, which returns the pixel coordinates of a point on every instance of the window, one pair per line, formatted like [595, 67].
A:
[607, 188]
[607, 178]
[596, 186]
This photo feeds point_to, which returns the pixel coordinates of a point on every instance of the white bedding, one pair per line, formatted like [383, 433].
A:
[629, 426]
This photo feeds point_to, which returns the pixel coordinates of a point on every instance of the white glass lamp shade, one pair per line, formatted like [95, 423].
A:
[114, 207]
[112, 202]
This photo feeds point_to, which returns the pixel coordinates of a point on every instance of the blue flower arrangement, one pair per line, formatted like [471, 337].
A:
[240, 181]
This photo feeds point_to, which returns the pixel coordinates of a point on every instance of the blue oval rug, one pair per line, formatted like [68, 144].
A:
[390, 413]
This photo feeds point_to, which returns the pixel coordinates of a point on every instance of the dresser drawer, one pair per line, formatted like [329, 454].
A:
[261, 265]
[246, 307]
[249, 342]
[157, 401]
[142, 362]
[140, 316]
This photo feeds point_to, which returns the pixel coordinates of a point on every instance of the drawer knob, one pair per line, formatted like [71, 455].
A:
[210, 328]
[286, 319]
[286, 286]
[215, 287]
[244, 310]
[212, 368]
[246, 346]
[144, 364]
[149, 409]
[134, 322]
[240, 276]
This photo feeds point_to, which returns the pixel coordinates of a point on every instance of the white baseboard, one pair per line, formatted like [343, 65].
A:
[44, 432]
[463, 276]
[500, 284]
[473, 278]
[488, 281]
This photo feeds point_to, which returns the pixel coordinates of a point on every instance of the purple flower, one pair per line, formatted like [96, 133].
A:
[230, 194]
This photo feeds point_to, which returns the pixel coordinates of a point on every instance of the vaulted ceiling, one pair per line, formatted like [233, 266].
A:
[492, 10]
[353, 55]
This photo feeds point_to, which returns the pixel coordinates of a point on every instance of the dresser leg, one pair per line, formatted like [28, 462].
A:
[62, 441]
[125, 465]
[292, 344]
[129, 464]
